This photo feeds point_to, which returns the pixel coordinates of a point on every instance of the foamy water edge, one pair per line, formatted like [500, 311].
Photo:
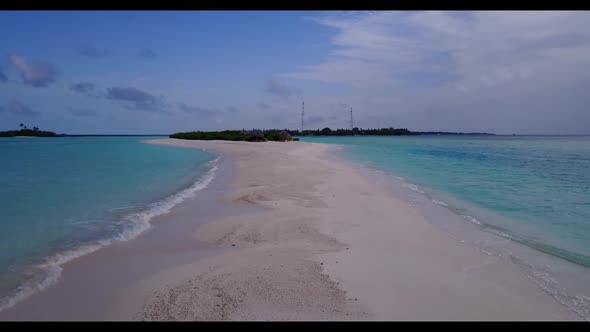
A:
[578, 304]
[134, 225]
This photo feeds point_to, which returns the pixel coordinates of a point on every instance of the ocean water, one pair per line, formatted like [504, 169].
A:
[61, 198]
[529, 196]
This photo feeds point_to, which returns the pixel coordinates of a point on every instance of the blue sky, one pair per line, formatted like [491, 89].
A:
[162, 72]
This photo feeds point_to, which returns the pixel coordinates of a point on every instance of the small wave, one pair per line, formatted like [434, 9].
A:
[50, 273]
[139, 222]
[414, 188]
[472, 220]
[439, 203]
[135, 224]
[67, 256]
[29, 288]
[486, 252]
[501, 234]
[579, 304]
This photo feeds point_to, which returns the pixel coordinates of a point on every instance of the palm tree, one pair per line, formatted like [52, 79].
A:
[35, 128]
[21, 125]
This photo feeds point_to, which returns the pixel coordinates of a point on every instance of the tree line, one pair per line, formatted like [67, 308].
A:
[355, 131]
[255, 135]
[26, 131]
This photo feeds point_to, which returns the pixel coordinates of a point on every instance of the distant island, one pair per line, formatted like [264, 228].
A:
[450, 133]
[288, 135]
[372, 132]
[355, 131]
[24, 131]
[255, 135]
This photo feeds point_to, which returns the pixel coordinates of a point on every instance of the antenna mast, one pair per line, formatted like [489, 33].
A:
[351, 123]
[302, 114]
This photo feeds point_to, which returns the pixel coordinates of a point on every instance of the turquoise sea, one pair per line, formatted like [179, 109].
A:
[527, 195]
[61, 198]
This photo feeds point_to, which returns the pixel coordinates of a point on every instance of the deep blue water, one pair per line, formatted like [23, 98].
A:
[62, 197]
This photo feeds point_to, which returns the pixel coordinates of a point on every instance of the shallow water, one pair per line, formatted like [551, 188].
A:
[526, 198]
[64, 197]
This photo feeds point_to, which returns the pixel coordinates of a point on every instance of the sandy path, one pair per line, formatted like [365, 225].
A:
[331, 245]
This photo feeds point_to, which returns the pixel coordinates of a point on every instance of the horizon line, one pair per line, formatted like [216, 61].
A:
[495, 134]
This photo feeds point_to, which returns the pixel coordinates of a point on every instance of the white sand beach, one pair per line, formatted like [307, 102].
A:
[330, 245]
[319, 241]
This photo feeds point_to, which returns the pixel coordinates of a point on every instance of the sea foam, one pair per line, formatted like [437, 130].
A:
[415, 188]
[439, 202]
[472, 220]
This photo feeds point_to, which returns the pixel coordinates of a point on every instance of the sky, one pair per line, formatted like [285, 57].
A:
[159, 72]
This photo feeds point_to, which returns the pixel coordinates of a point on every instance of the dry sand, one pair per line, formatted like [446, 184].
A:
[328, 245]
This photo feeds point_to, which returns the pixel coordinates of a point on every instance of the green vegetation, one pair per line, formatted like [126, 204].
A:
[286, 135]
[282, 135]
[355, 131]
[24, 131]
[237, 135]
[372, 132]
[449, 133]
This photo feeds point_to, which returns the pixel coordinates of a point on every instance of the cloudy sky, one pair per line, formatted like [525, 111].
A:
[162, 72]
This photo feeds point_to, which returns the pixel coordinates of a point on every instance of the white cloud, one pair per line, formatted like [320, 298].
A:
[431, 58]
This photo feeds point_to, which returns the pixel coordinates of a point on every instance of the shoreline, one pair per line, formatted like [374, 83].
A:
[128, 257]
[47, 268]
[492, 272]
[558, 276]
[316, 241]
